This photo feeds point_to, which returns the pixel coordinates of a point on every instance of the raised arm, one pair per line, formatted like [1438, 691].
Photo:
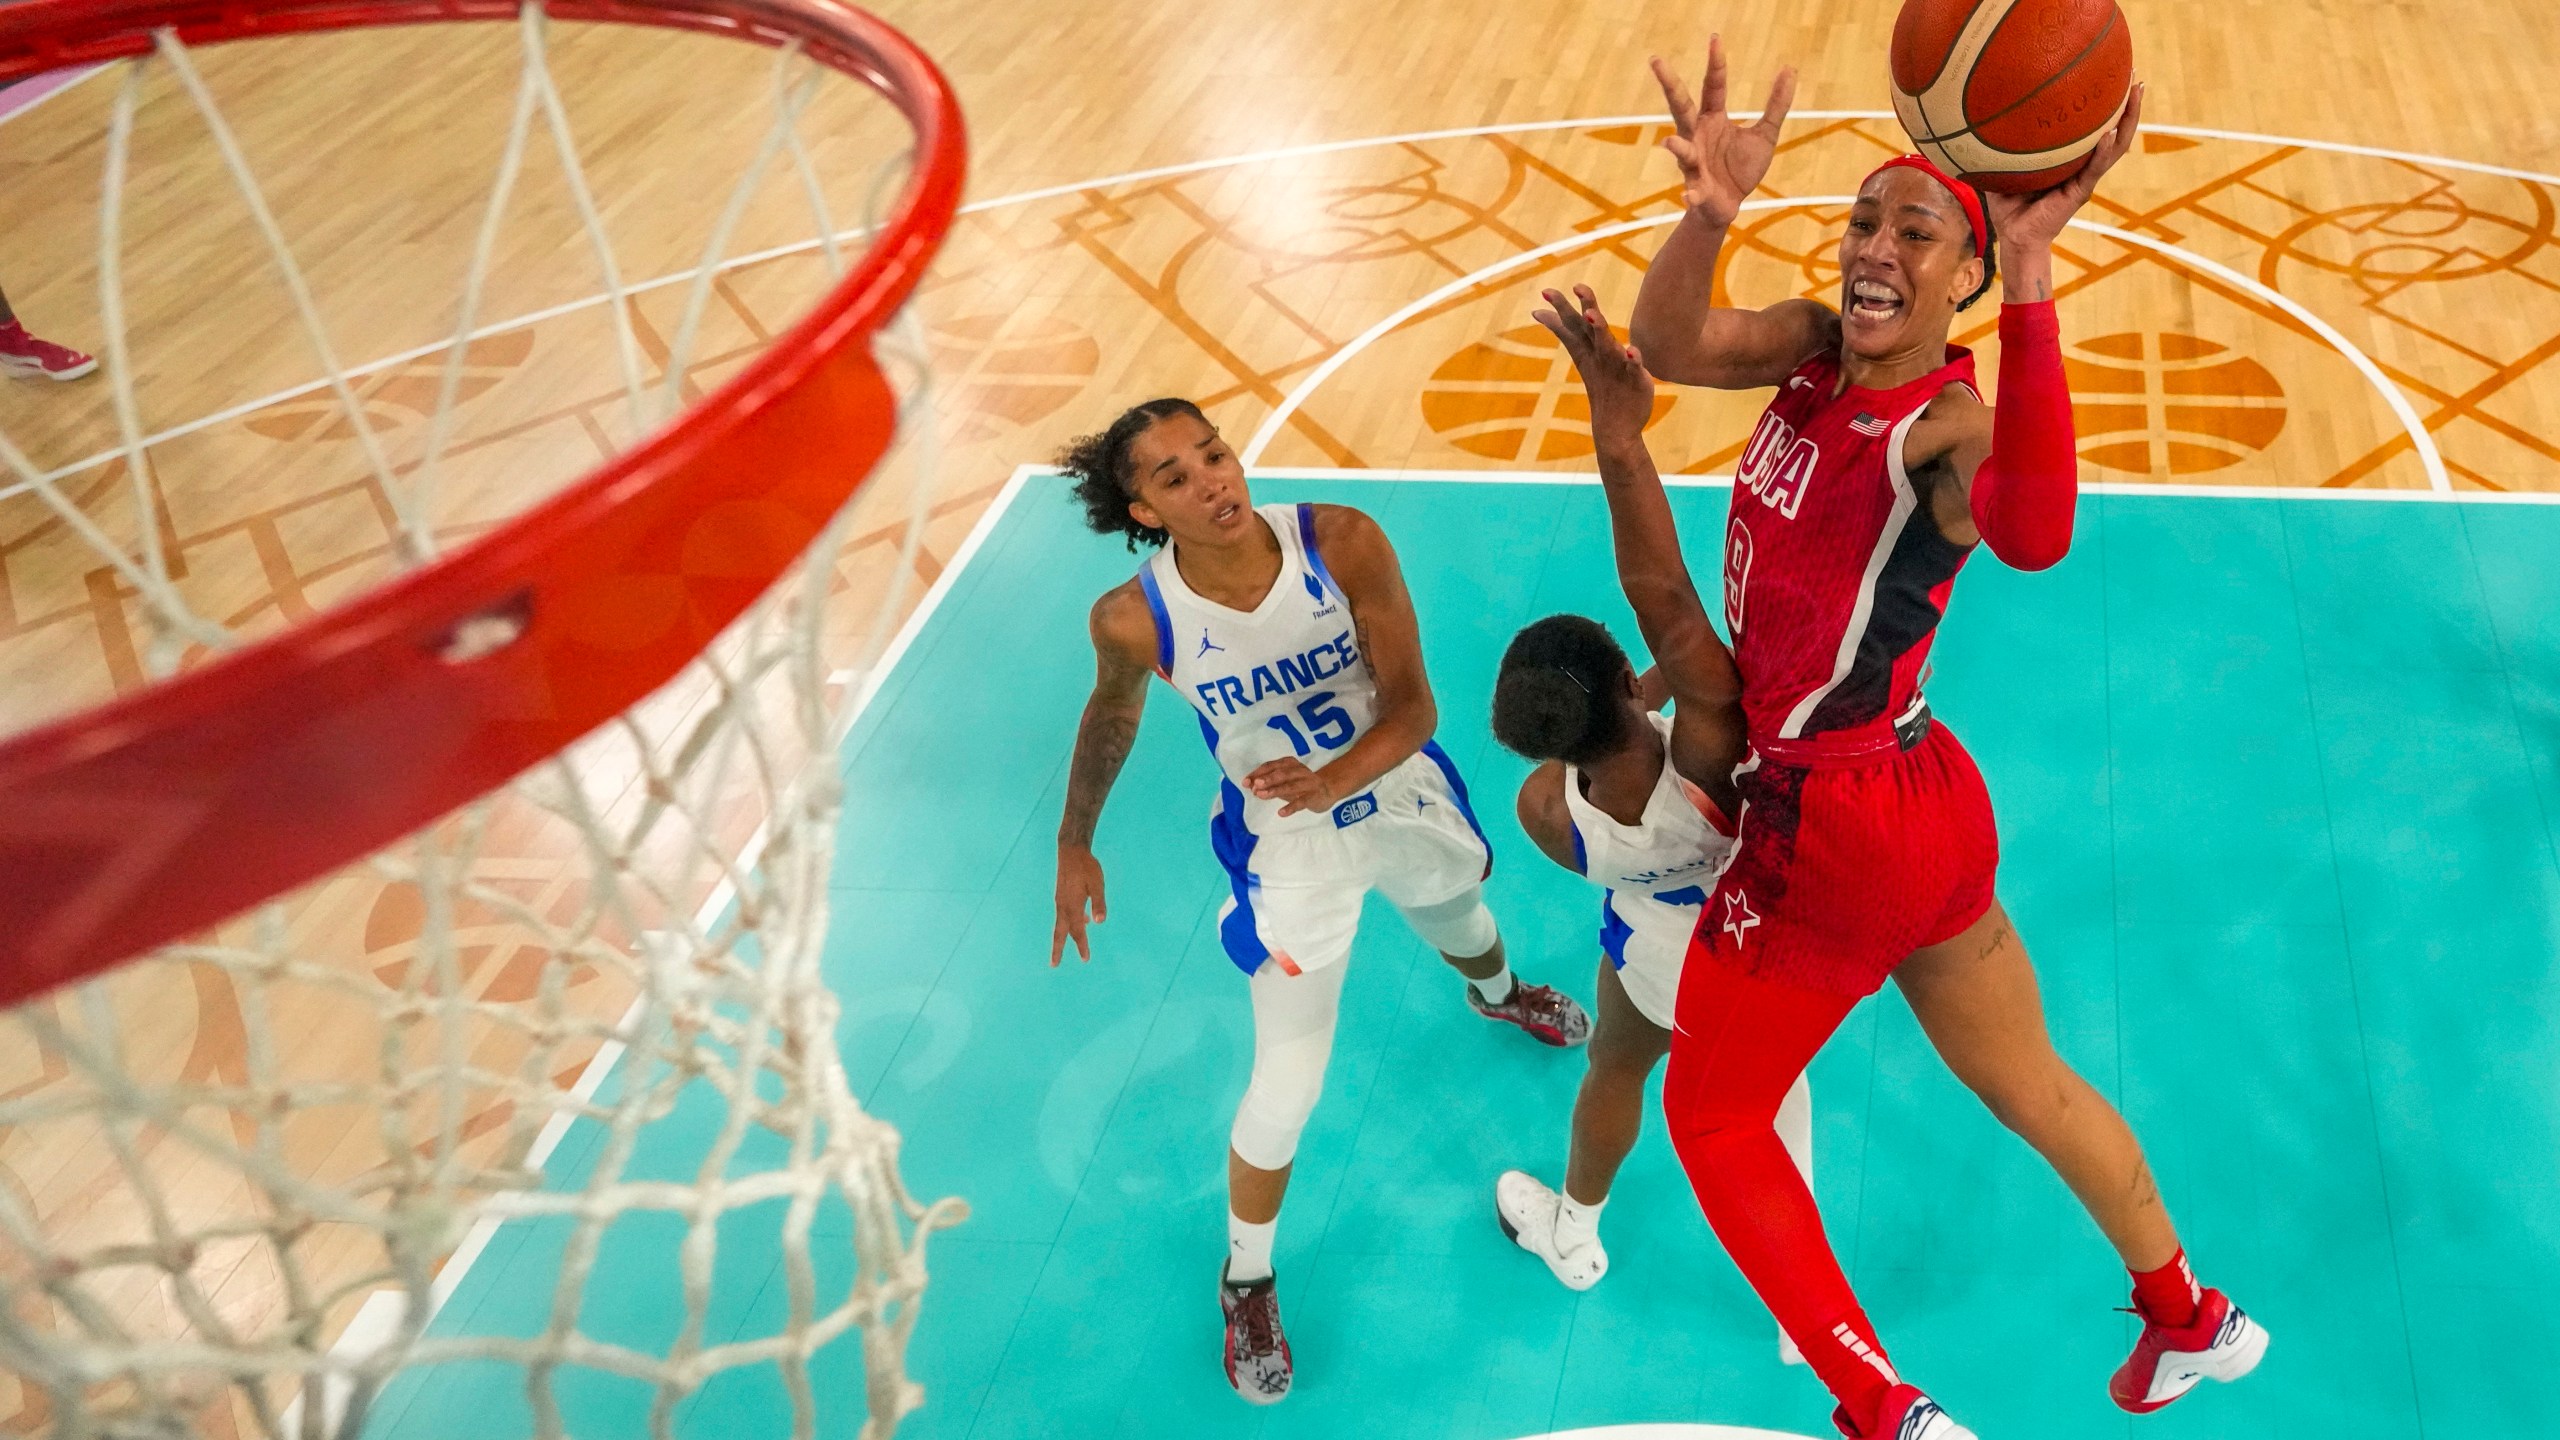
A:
[2017, 468]
[1124, 649]
[1684, 335]
[1356, 551]
[1694, 665]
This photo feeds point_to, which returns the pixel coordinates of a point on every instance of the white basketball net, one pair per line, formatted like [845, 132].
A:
[257, 1243]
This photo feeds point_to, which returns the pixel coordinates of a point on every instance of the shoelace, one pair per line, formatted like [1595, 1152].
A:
[1544, 1002]
[1258, 1321]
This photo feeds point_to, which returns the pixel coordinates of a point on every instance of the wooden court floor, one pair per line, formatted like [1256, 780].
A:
[2332, 265]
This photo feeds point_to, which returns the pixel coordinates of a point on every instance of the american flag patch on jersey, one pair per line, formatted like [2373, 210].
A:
[1867, 424]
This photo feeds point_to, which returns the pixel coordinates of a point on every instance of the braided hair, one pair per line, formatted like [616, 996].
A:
[1099, 465]
[1560, 692]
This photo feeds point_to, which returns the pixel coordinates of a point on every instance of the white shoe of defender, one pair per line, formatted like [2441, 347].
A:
[1526, 1209]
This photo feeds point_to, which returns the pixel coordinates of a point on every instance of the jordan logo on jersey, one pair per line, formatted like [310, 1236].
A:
[1777, 465]
[1207, 645]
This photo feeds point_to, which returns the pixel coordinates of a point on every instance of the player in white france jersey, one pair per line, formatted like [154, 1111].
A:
[1614, 802]
[1288, 630]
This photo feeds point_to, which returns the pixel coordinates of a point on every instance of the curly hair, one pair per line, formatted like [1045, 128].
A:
[1557, 696]
[1099, 465]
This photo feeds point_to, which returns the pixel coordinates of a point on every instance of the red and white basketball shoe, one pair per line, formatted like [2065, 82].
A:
[1258, 1363]
[1548, 1014]
[2221, 1343]
[1907, 1415]
[29, 358]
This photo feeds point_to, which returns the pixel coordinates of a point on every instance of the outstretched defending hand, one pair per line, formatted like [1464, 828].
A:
[1721, 163]
[2034, 221]
[1613, 373]
[1079, 884]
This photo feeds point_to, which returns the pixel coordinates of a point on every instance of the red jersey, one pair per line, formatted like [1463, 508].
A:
[1835, 574]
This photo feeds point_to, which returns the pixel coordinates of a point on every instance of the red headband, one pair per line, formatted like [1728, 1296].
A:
[1969, 199]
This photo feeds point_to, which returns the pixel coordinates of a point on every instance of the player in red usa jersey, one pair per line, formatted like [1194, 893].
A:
[1867, 846]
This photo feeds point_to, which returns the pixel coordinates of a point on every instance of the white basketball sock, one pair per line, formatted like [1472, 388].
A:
[1577, 1224]
[1249, 1248]
[1496, 987]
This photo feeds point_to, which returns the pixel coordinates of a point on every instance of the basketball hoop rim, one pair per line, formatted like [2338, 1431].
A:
[144, 820]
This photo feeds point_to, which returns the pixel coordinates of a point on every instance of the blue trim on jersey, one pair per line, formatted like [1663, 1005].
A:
[1581, 857]
[1233, 843]
[1164, 625]
[1689, 895]
[1315, 558]
[1614, 933]
[1458, 789]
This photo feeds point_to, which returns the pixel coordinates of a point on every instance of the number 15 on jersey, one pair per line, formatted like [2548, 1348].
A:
[1325, 723]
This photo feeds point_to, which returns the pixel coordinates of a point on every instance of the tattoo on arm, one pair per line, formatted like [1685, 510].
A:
[1103, 742]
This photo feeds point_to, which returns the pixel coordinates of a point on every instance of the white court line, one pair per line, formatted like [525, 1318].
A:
[2132, 488]
[2428, 457]
[2419, 436]
[1416, 137]
[1297, 397]
[1193, 167]
[14, 112]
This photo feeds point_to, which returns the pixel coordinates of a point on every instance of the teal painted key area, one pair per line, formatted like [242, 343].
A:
[2277, 781]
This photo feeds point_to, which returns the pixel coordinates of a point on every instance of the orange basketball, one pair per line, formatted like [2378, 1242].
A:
[2010, 94]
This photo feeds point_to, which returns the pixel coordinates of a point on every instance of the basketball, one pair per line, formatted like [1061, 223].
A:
[2010, 94]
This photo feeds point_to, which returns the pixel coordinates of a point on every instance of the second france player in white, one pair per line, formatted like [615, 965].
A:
[1614, 802]
[1287, 628]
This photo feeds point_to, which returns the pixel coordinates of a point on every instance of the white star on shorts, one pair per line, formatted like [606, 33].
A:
[1738, 917]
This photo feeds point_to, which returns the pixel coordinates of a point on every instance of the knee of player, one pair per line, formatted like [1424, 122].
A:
[1698, 1131]
[1620, 1065]
[1277, 1104]
[1266, 1130]
[1460, 926]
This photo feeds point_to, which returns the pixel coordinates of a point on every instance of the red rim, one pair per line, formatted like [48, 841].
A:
[165, 811]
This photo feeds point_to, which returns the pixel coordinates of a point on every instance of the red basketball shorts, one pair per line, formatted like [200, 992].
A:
[1841, 873]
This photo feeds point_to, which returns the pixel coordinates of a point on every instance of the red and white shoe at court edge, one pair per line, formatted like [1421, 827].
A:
[1258, 1364]
[29, 358]
[2221, 1343]
[1549, 1015]
[1907, 1415]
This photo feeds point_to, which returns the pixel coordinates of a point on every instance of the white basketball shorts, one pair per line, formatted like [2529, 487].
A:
[1296, 895]
[1647, 938]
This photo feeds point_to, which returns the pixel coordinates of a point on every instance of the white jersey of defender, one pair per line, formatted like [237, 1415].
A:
[1656, 872]
[1287, 679]
[1284, 679]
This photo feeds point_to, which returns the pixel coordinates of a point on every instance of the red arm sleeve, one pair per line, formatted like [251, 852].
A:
[2024, 494]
